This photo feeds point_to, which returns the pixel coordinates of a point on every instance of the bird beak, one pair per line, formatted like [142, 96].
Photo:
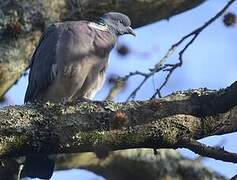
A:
[131, 31]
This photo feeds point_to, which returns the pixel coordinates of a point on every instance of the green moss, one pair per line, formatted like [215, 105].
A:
[13, 144]
[20, 140]
[132, 138]
[90, 137]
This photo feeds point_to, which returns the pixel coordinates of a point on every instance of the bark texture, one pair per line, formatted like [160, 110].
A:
[141, 164]
[83, 127]
[22, 21]
[105, 126]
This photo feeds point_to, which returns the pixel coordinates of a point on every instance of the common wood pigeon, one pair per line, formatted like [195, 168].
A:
[69, 63]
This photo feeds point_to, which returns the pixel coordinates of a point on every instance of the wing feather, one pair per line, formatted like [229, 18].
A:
[43, 62]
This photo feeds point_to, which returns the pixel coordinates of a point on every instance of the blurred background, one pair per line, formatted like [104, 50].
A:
[209, 62]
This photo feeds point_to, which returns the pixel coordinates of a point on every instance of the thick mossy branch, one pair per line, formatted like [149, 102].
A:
[83, 127]
[141, 12]
[20, 20]
[14, 59]
[139, 164]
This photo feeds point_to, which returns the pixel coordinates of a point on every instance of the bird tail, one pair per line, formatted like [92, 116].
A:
[38, 166]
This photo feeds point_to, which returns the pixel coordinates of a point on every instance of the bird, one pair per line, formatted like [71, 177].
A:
[70, 63]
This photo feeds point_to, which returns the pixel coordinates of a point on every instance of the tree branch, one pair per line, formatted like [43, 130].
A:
[234, 177]
[207, 151]
[167, 163]
[161, 66]
[141, 12]
[84, 127]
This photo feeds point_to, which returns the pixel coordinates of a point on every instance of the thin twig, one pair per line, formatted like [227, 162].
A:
[170, 68]
[208, 151]
[195, 34]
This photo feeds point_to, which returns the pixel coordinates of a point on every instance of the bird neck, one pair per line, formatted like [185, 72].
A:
[102, 22]
[98, 26]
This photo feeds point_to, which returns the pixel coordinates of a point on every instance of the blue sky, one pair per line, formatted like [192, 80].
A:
[209, 62]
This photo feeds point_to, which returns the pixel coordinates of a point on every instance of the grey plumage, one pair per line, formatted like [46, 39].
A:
[71, 58]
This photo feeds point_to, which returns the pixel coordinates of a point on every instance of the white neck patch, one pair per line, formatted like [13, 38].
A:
[98, 26]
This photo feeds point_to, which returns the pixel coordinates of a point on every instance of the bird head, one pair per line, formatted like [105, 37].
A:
[118, 22]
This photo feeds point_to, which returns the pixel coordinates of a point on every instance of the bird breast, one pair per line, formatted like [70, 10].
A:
[82, 57]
